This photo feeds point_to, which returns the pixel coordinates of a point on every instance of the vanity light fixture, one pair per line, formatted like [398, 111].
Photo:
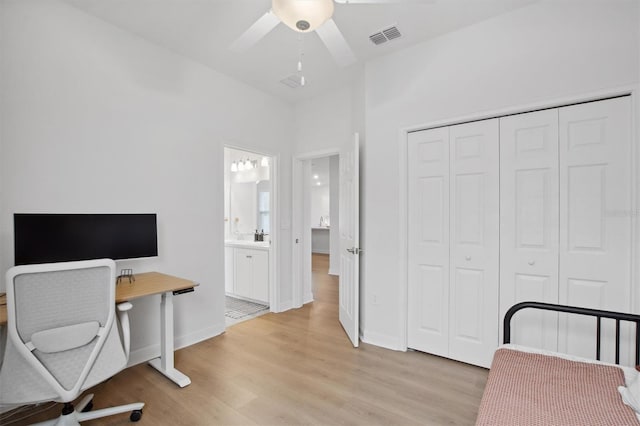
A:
[240, 165]
[264, 162]
[248, 165]
[234, 167]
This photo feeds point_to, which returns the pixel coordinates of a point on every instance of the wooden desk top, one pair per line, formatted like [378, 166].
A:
[149, 283]
[146, 284]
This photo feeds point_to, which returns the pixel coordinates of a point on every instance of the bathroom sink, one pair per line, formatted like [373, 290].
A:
[244, 243]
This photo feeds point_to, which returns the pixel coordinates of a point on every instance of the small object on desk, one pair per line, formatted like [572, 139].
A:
[126, 273]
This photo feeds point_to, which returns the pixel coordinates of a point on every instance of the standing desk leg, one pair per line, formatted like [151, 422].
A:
[164, 364]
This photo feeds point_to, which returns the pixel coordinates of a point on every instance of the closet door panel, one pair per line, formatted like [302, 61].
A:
[428, 251]
[595, 220]
[473, 334]
[529, 216]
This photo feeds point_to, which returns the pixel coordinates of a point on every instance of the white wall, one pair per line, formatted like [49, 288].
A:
[546, 51]
[324, 122]
[95, 119]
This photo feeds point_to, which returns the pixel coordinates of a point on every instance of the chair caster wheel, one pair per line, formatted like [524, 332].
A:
[135, 415]
[88, 407]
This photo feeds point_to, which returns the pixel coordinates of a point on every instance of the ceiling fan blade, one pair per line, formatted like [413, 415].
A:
[383, 1]
[259, 29]
[335, 42]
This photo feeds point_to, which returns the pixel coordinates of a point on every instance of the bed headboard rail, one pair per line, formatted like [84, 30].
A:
[598, 314]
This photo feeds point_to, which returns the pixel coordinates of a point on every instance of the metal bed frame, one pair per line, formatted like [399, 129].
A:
[617, 316]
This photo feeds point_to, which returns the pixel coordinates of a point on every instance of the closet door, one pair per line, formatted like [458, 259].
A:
[474, 233]
[428, 240]
[595, 216]
[529, 216]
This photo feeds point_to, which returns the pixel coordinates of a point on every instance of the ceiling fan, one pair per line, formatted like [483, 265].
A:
[305, 16]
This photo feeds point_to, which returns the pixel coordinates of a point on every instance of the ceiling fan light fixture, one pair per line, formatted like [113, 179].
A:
[303, 15]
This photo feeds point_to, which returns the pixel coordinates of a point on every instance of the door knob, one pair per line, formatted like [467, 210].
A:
[352, 250]
[467, 258]
[532, 262]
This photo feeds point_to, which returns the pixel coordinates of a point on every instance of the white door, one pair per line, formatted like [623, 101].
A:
[595, 217]
[474, 241]
[428, 240]
[529, 197]
[349, 287]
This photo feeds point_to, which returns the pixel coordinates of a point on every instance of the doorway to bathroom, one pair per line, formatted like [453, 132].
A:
[249, 234]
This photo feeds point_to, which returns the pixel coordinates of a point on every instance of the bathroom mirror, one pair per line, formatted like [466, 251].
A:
[249, 208]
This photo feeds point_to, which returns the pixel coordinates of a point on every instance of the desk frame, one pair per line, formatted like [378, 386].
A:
[148, 284]
[165, 363]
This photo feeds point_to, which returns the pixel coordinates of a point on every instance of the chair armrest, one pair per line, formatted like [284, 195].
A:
[123, 316]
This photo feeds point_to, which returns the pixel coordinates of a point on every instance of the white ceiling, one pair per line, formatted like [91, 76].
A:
[203, 30]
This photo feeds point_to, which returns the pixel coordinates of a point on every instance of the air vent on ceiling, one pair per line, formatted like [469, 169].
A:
[385, 35]
[293, 81]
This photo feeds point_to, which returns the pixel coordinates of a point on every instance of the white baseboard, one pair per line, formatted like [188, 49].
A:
[308, 298]
[285, 306]
[334, 272]
[382, 340]
[150, 352]
[320, 251]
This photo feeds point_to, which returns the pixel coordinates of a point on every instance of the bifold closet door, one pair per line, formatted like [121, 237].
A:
[453, 241]
[428, 241]
[474, 233]
[529, 215]
[595, 217]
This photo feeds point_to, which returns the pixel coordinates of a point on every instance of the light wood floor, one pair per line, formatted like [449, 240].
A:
[298, 367]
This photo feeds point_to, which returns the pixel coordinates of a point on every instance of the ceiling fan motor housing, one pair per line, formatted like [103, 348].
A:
[303, 25]
[303, 15]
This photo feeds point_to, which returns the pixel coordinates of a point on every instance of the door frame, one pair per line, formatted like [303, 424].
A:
[403, 211]
[274, 207]
[301, 225]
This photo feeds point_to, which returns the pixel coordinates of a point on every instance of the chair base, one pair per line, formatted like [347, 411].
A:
[75, 416]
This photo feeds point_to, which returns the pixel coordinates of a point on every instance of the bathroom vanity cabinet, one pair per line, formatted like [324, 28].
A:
[247, 270]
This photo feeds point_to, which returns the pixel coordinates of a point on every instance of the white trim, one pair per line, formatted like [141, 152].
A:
[403, 240]
[296, 233]
[286, 305]
[632, 90]
[274, 253]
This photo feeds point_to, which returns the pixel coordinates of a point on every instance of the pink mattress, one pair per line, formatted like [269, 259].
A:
[533, 389]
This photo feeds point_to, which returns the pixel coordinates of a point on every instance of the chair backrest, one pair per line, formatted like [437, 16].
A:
[59, 316]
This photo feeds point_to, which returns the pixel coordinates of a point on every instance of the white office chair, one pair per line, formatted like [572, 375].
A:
[63, 337]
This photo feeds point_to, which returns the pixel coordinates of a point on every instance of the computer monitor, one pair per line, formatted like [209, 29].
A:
[43, 238]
